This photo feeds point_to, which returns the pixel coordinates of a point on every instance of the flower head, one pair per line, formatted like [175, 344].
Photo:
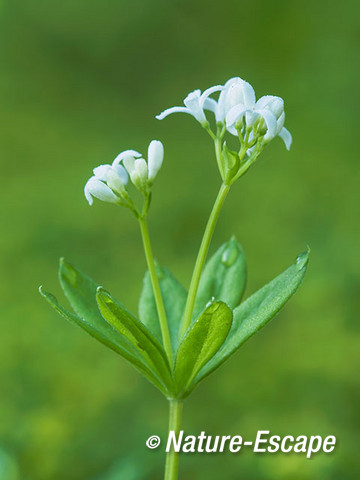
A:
[235, 108]
[109, 181]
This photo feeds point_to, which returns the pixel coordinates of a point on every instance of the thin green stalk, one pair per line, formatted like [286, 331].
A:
[156, 287]
[204, 247]
[172, 457]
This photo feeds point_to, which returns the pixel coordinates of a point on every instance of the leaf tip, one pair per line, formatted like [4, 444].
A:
[231, 252]
[302, 259]
[67, 272]
[62, 262]
[102, 293]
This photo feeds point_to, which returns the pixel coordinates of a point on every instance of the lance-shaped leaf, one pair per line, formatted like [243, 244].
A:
[223, 278]
[174, 298]
[107, 335]
[139, 336]
[257, 311]
[200, 343]
[80, 290]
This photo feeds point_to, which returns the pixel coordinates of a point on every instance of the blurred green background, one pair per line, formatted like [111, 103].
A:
[81, 81]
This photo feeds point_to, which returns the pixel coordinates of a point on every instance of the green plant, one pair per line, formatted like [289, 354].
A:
[181, 337]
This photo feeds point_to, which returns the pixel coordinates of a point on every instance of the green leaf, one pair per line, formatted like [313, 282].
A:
[200, 343]
[223, 278]
[139, 336]
[174, 297]
[107, 335]
[257, 311]
[80, 290]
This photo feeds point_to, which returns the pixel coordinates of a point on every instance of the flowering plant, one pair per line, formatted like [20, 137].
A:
[179, 336]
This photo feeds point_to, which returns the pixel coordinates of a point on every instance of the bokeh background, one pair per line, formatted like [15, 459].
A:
[81, 81]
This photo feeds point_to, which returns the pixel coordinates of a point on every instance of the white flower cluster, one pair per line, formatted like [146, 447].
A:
[236, 110]
[109, 181]
[237, 107]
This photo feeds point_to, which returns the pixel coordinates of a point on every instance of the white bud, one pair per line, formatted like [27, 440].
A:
[155, 158]
[129, 163]
[96, 188]
[100, 172]
[239, 92]
[117, 179]
[137, 170]
[272, 103]
[141, 170]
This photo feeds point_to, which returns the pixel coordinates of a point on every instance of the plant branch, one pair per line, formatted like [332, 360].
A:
[200, 261]
[156, 288]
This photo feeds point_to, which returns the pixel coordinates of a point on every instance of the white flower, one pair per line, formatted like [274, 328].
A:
[235, 91]
[155, 158]
[107, 184]
[269, 108]
[236, 102]
[195, 104]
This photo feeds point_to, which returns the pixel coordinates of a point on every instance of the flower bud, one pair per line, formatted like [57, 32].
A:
[137, 170]
[272, 103]
[239, 92]
[155, 158]
[96, 188]
[117, 178]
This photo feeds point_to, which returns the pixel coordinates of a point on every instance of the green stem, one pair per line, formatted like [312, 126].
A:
[204, 247]
[172, 457]
[156, 287]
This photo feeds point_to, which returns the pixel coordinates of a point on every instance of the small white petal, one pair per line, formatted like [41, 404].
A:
[208, 92]
[88, 196]
[286, 136]
[220, 108]
[101, 171]
[193, 104]
[117, 178]
[235, 113]
[280, 123]
[251, 117]
[271, 123]
[121, 173]
[249, 94]
[274, 104]
[126, 153]
[141, 169]
[231, 81]
[98, 189]
[231, 129]
[210, 104]
[171, 110]
[155, 158]
[129, 163]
